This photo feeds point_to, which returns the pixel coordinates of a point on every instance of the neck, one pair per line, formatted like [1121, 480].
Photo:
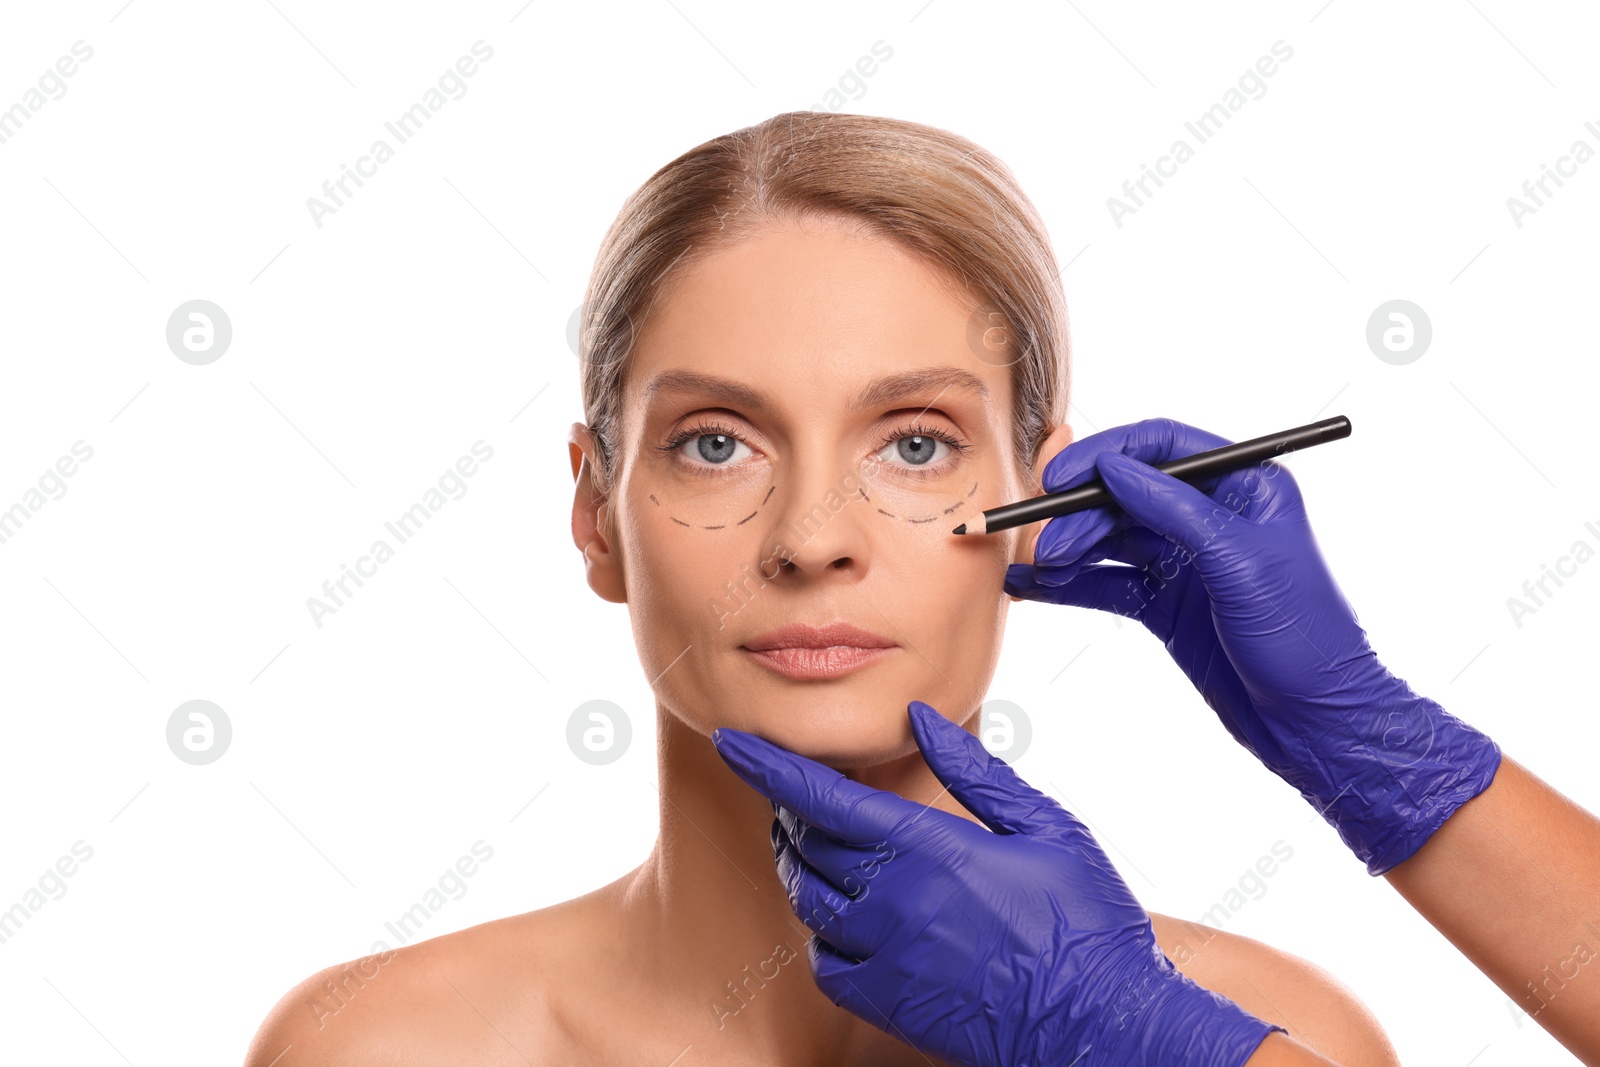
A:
[710, 905]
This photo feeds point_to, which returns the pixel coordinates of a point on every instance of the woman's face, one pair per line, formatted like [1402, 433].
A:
[804, 420]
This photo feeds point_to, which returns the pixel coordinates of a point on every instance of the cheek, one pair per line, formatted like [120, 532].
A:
[980, 569]
[676, 574]
[943, 584]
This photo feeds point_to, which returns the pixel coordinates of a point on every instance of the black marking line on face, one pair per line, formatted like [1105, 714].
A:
[722, 526]
[772, 488]
[959, 503]
[654, 500]
[946, 511]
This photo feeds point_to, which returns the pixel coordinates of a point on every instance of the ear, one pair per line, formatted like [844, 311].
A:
[590, 515]
[1060, 437]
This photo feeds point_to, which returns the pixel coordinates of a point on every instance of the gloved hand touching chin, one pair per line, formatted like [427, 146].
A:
[1229, 577]
[1018, 946]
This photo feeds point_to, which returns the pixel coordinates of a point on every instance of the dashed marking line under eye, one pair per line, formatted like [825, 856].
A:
[959, 503]
[862, 492]
[721, 526]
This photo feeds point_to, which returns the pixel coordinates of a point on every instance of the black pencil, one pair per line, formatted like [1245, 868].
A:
[1191, 469]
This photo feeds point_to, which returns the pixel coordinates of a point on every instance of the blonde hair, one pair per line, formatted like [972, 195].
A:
[937, 195]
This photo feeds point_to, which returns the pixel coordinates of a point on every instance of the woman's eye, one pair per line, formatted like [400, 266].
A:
[916, 450]
[716, 449]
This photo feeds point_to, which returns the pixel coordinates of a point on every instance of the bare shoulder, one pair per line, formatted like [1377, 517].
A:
[1317, 1009]
[488, 994]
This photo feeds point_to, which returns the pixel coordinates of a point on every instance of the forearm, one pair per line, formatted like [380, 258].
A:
[1512, 879]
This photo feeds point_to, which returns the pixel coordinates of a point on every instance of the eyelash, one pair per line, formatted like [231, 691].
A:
[702, 429]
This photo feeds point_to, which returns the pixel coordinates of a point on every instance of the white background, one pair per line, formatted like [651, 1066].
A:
[431, 311]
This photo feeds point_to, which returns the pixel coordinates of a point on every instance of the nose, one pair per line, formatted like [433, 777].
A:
[822, 522]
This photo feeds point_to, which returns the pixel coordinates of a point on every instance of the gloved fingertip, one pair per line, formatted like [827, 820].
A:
[1054, 577]
[724, 741]
[945, 744]
[737, 750]
[1020, 581]
[919, 713]
[922, 724]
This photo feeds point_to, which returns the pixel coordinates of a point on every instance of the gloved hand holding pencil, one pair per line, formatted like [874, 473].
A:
[1228, 575]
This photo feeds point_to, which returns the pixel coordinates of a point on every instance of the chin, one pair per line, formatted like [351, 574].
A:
[844, 727]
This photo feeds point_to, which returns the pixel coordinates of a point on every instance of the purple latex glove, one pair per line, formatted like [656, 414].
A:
[1020, 946]
[1228, 575]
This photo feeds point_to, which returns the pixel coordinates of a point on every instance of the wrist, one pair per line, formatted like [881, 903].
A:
[1162, 1017]
[1414, 765]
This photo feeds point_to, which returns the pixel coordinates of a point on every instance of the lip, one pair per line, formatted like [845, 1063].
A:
[831, 651]
[800, 635]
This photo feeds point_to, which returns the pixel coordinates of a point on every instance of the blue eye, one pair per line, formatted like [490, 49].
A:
[717, 447]
[708, 446]
[922, 451]
[915, 450]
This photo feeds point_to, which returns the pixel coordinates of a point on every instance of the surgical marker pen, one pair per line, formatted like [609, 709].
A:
[1190, 469]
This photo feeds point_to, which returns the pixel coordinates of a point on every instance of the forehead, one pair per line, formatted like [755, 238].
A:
[812, 311]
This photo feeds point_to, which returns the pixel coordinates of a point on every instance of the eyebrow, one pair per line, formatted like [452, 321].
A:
[879, 391]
